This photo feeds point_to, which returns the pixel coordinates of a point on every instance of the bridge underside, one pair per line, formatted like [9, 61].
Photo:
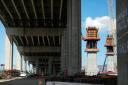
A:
[46, 33]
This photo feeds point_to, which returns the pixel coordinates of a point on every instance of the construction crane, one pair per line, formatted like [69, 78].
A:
[113, 27]
[112, 32]
[111, 15]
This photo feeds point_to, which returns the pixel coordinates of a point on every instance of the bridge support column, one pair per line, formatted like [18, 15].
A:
[27, 66]
[37, 69]
[18, 61]
[32, 68]
[23, 64]
[71, 55]
[8, 53]
[49, 67]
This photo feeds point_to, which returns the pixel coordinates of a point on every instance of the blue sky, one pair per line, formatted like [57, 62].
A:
[95, 9]
[89, 8]
[2, 38]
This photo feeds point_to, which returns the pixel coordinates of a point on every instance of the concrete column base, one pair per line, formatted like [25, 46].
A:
[91, 68]
[110, 63]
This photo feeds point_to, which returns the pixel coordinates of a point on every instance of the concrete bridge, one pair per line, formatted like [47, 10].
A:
[47, 34]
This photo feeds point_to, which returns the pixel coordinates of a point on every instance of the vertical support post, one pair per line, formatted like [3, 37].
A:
[49, 67]
[29, 68]
[8, 53]
[23, 64]
[110, 63]
[18, 61]
[64, 52]
[12, 52]
[37, 67]
[74, 34]
[71, 39]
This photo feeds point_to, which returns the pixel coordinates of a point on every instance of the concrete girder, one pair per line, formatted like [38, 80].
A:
[61, 3]
[16, 42]
[38, 41]
[16, 9]
[43, 40]
[42, 5]
[38, 49]
[34, 10]
[52, 11]
[6, 8]
[54, 40]
[48, 41]
[22, 1]
[27, 40]
[3, 19]
[21, 40]
[35, 31]
[32, 40]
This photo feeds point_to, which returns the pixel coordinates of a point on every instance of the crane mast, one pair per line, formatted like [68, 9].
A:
[113, 28]
[111, 15]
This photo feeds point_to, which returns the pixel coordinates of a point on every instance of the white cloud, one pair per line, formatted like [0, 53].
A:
[102, 23]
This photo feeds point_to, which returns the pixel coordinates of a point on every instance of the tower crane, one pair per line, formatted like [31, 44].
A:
[113, 27]
[111, 15]
[111, 24]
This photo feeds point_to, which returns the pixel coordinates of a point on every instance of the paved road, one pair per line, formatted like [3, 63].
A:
[21, 82]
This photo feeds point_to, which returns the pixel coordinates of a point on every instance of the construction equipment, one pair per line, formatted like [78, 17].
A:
[112, 32]
[113, 27]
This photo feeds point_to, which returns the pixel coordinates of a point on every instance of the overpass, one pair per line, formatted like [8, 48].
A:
[47, 34]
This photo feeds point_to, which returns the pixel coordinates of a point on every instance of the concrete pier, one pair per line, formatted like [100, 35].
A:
[92, 68]
[92, 38]
[8, 53]
[18, 61]
[71, 39]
